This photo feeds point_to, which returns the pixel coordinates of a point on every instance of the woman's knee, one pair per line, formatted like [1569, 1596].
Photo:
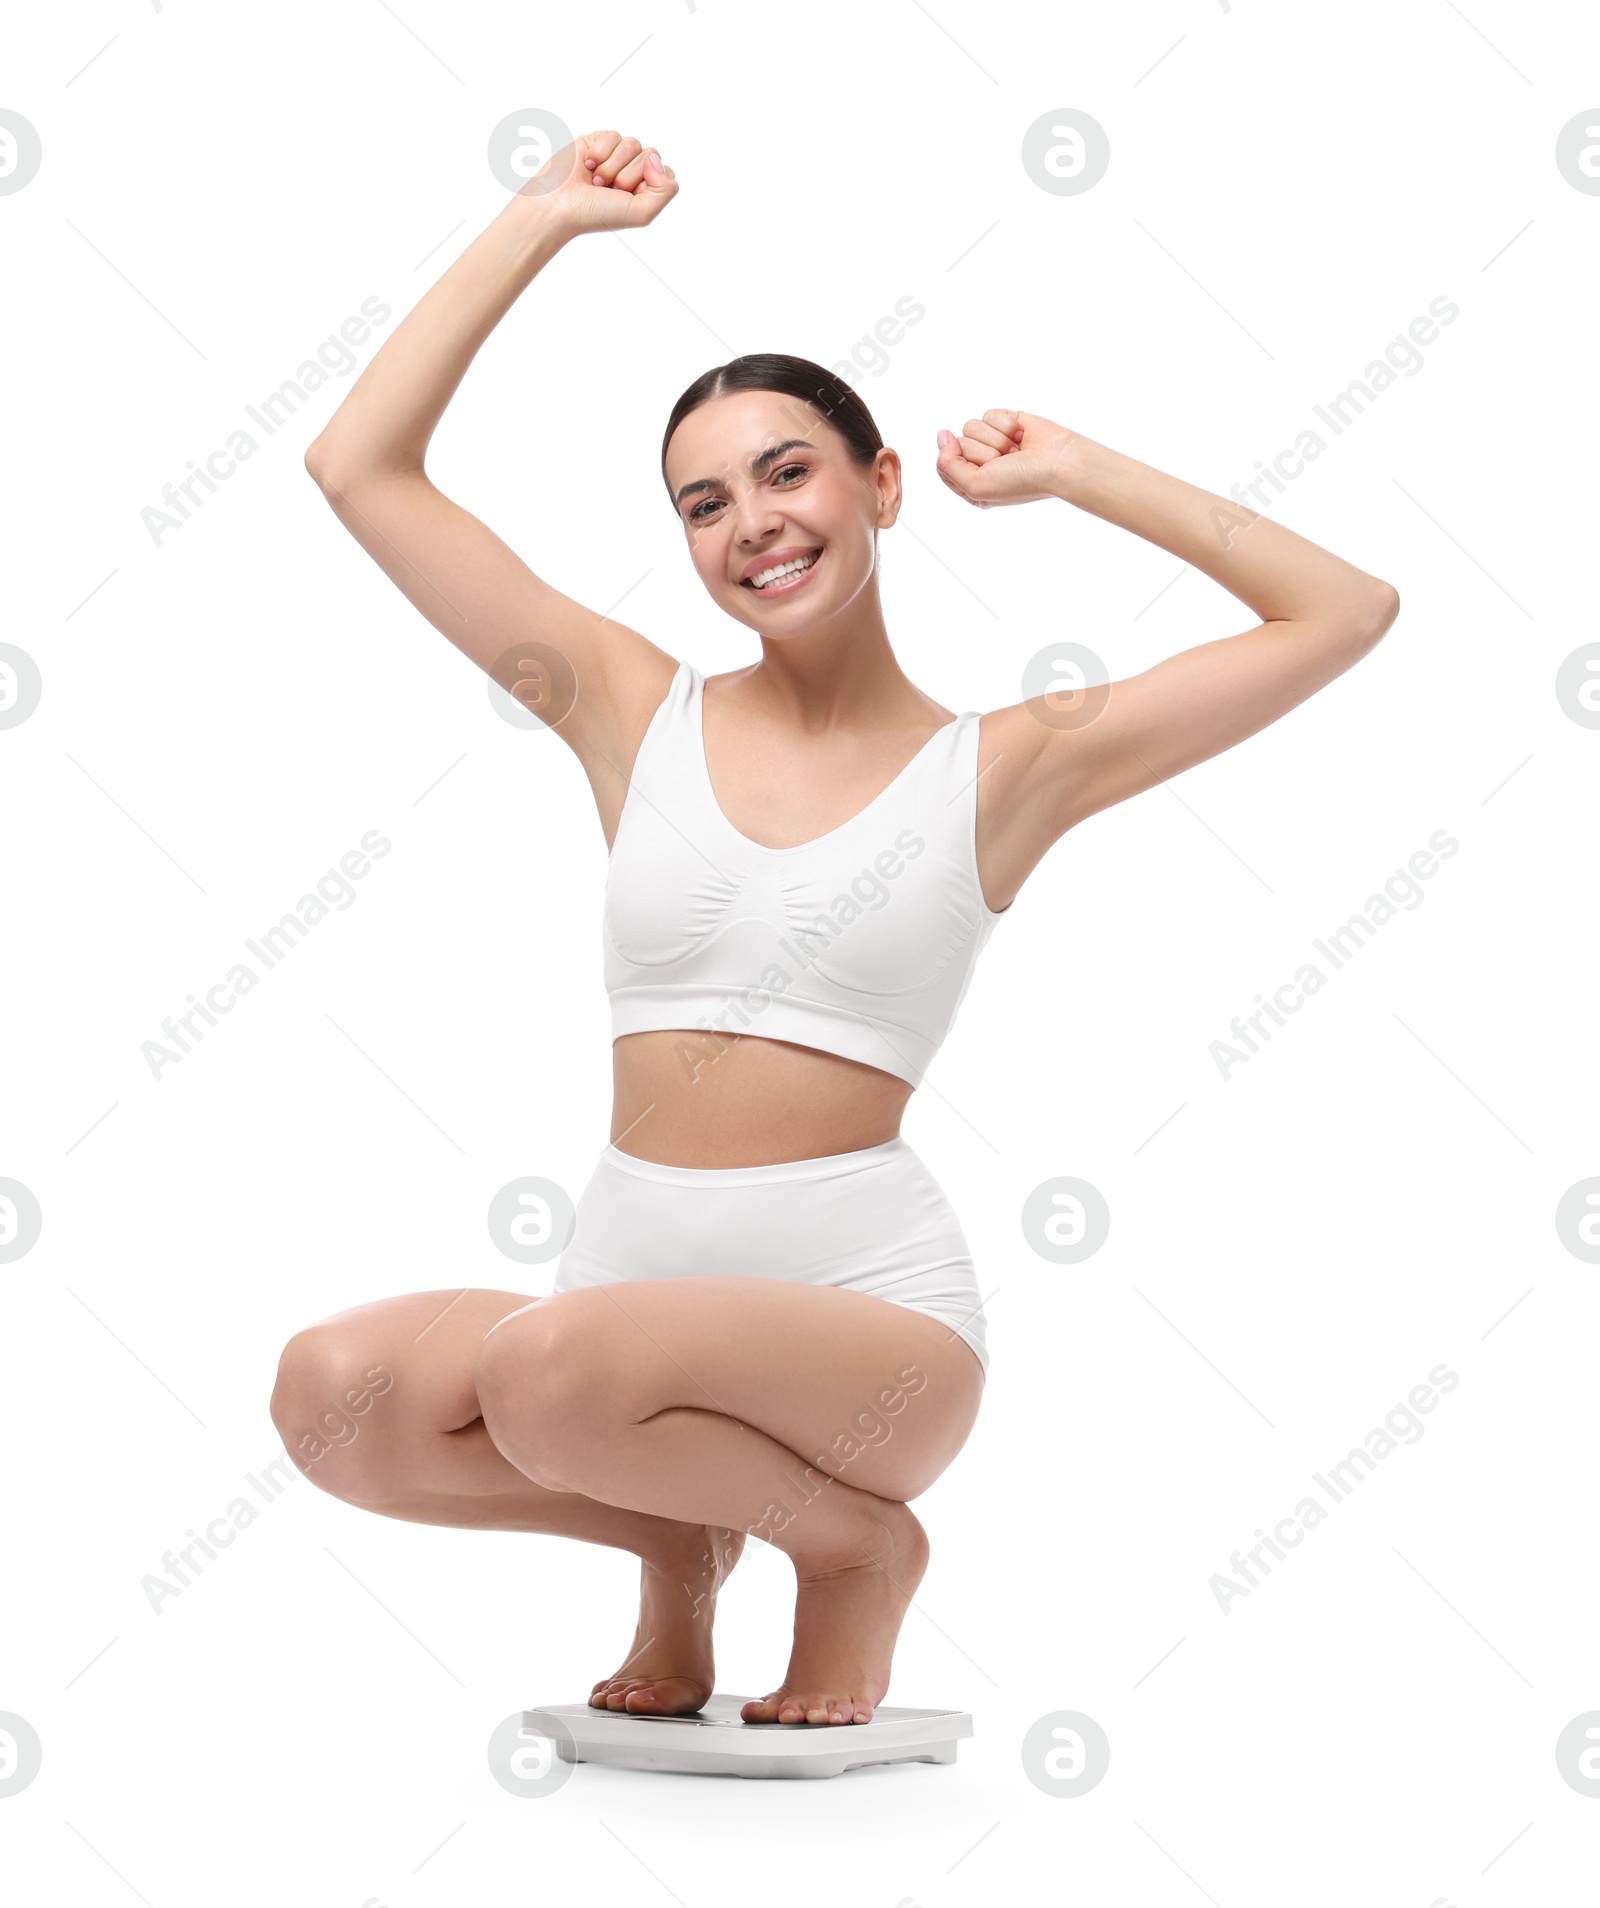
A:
[532, 1385]
[328, 1404]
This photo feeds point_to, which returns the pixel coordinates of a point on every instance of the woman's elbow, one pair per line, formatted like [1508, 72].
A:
[335, 456]
[319, 462]
[334, 473]
[336, 469]
[1371, 621]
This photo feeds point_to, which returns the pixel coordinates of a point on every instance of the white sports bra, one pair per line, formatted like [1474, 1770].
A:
[860, 943]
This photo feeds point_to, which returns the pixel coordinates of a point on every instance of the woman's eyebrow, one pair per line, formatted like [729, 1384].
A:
[758, 466]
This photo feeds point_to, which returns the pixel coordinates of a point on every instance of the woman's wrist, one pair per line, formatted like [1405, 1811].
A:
[534, 224]
[1080, 467]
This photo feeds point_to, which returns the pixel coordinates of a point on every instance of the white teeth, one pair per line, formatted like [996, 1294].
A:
[763, 577]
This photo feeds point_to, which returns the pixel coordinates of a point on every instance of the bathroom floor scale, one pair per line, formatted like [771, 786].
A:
[714, 1740]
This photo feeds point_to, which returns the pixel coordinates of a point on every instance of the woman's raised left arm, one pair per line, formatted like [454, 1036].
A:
[1319, 614]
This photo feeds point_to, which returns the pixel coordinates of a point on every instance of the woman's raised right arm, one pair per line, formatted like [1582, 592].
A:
[470, 585]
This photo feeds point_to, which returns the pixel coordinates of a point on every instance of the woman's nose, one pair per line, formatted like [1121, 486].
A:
[757, 519]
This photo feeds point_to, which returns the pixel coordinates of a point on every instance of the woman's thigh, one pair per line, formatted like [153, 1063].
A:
[864, 1389]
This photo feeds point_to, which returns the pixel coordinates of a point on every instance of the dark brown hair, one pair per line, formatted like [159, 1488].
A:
[794, 377]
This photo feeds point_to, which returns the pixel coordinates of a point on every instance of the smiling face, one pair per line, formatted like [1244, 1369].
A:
[763, 483]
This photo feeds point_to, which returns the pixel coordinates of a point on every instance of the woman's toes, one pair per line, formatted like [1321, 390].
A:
[834, 1710]
[663, 1696]
[781, 1707]
[669, 1696]
[614, 1693]
[772, 1708]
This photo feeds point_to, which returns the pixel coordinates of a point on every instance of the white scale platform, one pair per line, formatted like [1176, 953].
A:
[715, 1741]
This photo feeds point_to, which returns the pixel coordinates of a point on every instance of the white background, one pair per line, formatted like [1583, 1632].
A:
[227, 712]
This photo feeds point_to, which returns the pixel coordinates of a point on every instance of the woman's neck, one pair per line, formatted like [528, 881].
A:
[820, 682]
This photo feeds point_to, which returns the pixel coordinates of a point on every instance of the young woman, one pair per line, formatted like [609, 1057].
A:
[767, 1320]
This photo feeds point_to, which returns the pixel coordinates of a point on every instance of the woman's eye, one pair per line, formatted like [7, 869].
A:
[697, 514]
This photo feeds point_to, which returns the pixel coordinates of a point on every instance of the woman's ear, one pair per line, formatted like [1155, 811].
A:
[887, 477]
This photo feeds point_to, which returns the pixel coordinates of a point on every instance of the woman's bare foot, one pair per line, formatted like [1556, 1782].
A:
[847, 1614]
[669, 1671]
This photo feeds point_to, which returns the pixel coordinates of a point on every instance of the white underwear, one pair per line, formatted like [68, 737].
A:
[871, 1221]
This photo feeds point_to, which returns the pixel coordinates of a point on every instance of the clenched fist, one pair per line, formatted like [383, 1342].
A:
[1005, 457]
[603, 183]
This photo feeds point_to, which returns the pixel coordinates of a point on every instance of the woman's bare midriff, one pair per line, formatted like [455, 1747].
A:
[689, 1098]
